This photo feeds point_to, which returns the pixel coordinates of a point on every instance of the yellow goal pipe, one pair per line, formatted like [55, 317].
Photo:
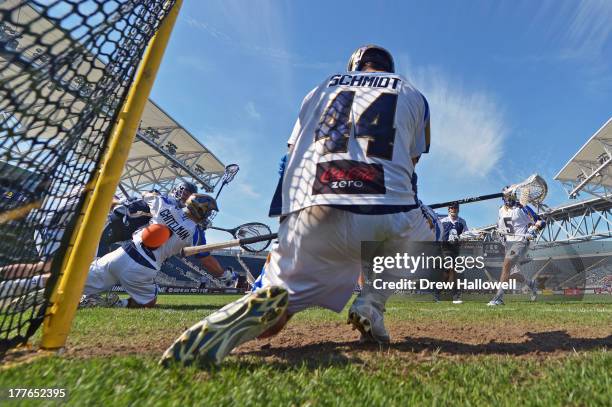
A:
[65, 298]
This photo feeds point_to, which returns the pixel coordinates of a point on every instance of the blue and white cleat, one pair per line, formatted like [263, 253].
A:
[495, 302]
[214, 337]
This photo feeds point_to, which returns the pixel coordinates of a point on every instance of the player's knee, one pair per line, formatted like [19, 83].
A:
[276, 328]
[131, 303]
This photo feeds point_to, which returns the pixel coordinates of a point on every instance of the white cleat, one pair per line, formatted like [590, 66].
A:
[458, 301]
[108, 300]
[28, 301]
[369, 321]
[214, 337]
[495, 302]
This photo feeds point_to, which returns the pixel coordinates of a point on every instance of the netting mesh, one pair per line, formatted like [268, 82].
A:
[253, 229]
[533, 190]
[65, 69]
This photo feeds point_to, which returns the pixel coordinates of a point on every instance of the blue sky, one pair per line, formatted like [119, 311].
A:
[514, 87]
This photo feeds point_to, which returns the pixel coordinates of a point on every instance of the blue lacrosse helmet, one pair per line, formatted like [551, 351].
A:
[183, 190]
[371, 53]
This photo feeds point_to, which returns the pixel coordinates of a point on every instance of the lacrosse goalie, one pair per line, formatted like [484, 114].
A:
[519, 224]
[135, 264]
[350, 182]
[132, 214]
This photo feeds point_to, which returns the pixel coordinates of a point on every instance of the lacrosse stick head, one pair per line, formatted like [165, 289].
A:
[253, 229]
[533, 190]
[230, 172]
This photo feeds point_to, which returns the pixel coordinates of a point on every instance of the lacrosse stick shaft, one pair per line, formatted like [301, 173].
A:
[190, 251]
[220, 189]
[230, 172]
[123, 190]
[467, 200]
[216, 228]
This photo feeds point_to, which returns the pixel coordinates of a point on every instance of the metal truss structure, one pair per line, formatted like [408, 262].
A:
[580, 221]
[140, 171]
[575, 222]
[164, 153]
[590, 170]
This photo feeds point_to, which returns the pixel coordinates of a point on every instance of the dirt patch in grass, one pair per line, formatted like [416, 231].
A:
[336, 342]
[327, 341]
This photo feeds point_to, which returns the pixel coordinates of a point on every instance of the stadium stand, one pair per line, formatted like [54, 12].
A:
[182, 272]
[229, 261]
[255, 264]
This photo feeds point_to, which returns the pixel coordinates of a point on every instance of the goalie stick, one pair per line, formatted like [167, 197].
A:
[246, 230]
[251, 229]
[244, 243]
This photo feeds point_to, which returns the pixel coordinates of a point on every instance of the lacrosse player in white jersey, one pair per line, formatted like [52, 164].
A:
[134, 265]
[132, 214]
[519, 224]
[348, 178]
[51, 221]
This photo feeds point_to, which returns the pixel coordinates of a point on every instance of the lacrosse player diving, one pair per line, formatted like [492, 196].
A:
[519, 224]
[349, 177]
[132, 214]
[135, 264]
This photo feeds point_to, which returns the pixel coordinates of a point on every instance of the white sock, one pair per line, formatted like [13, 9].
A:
[500, 293]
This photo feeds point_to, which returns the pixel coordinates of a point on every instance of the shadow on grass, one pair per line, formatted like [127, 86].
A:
[340, 353]
[188, 307]
[540, 342]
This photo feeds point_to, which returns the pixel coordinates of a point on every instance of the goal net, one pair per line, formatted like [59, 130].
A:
[65, 71]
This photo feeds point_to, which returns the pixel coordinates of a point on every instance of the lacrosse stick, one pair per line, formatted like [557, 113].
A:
[228, 176]
[499, 233]
[251, 229]
[532, 190]
[246, 243]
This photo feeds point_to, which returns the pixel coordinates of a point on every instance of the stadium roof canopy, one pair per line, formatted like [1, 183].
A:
[163, 150]
[590, 169]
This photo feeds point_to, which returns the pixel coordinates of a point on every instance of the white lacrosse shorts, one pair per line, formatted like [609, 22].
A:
[117, 267]
[318, 255]
[516, 251]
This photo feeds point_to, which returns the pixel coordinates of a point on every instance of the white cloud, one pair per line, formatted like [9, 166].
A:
[203, 25]
[468, 126]
[468, 130]
[252, 111]
[248, 190]
[196, 63]
[591, 28]
[267, 39]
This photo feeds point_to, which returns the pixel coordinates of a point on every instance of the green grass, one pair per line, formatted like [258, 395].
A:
[113, 353]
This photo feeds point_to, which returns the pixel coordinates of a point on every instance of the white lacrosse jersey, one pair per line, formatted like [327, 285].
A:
[514, 222]
[185, 232]
[354, 141]
[52, 219]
